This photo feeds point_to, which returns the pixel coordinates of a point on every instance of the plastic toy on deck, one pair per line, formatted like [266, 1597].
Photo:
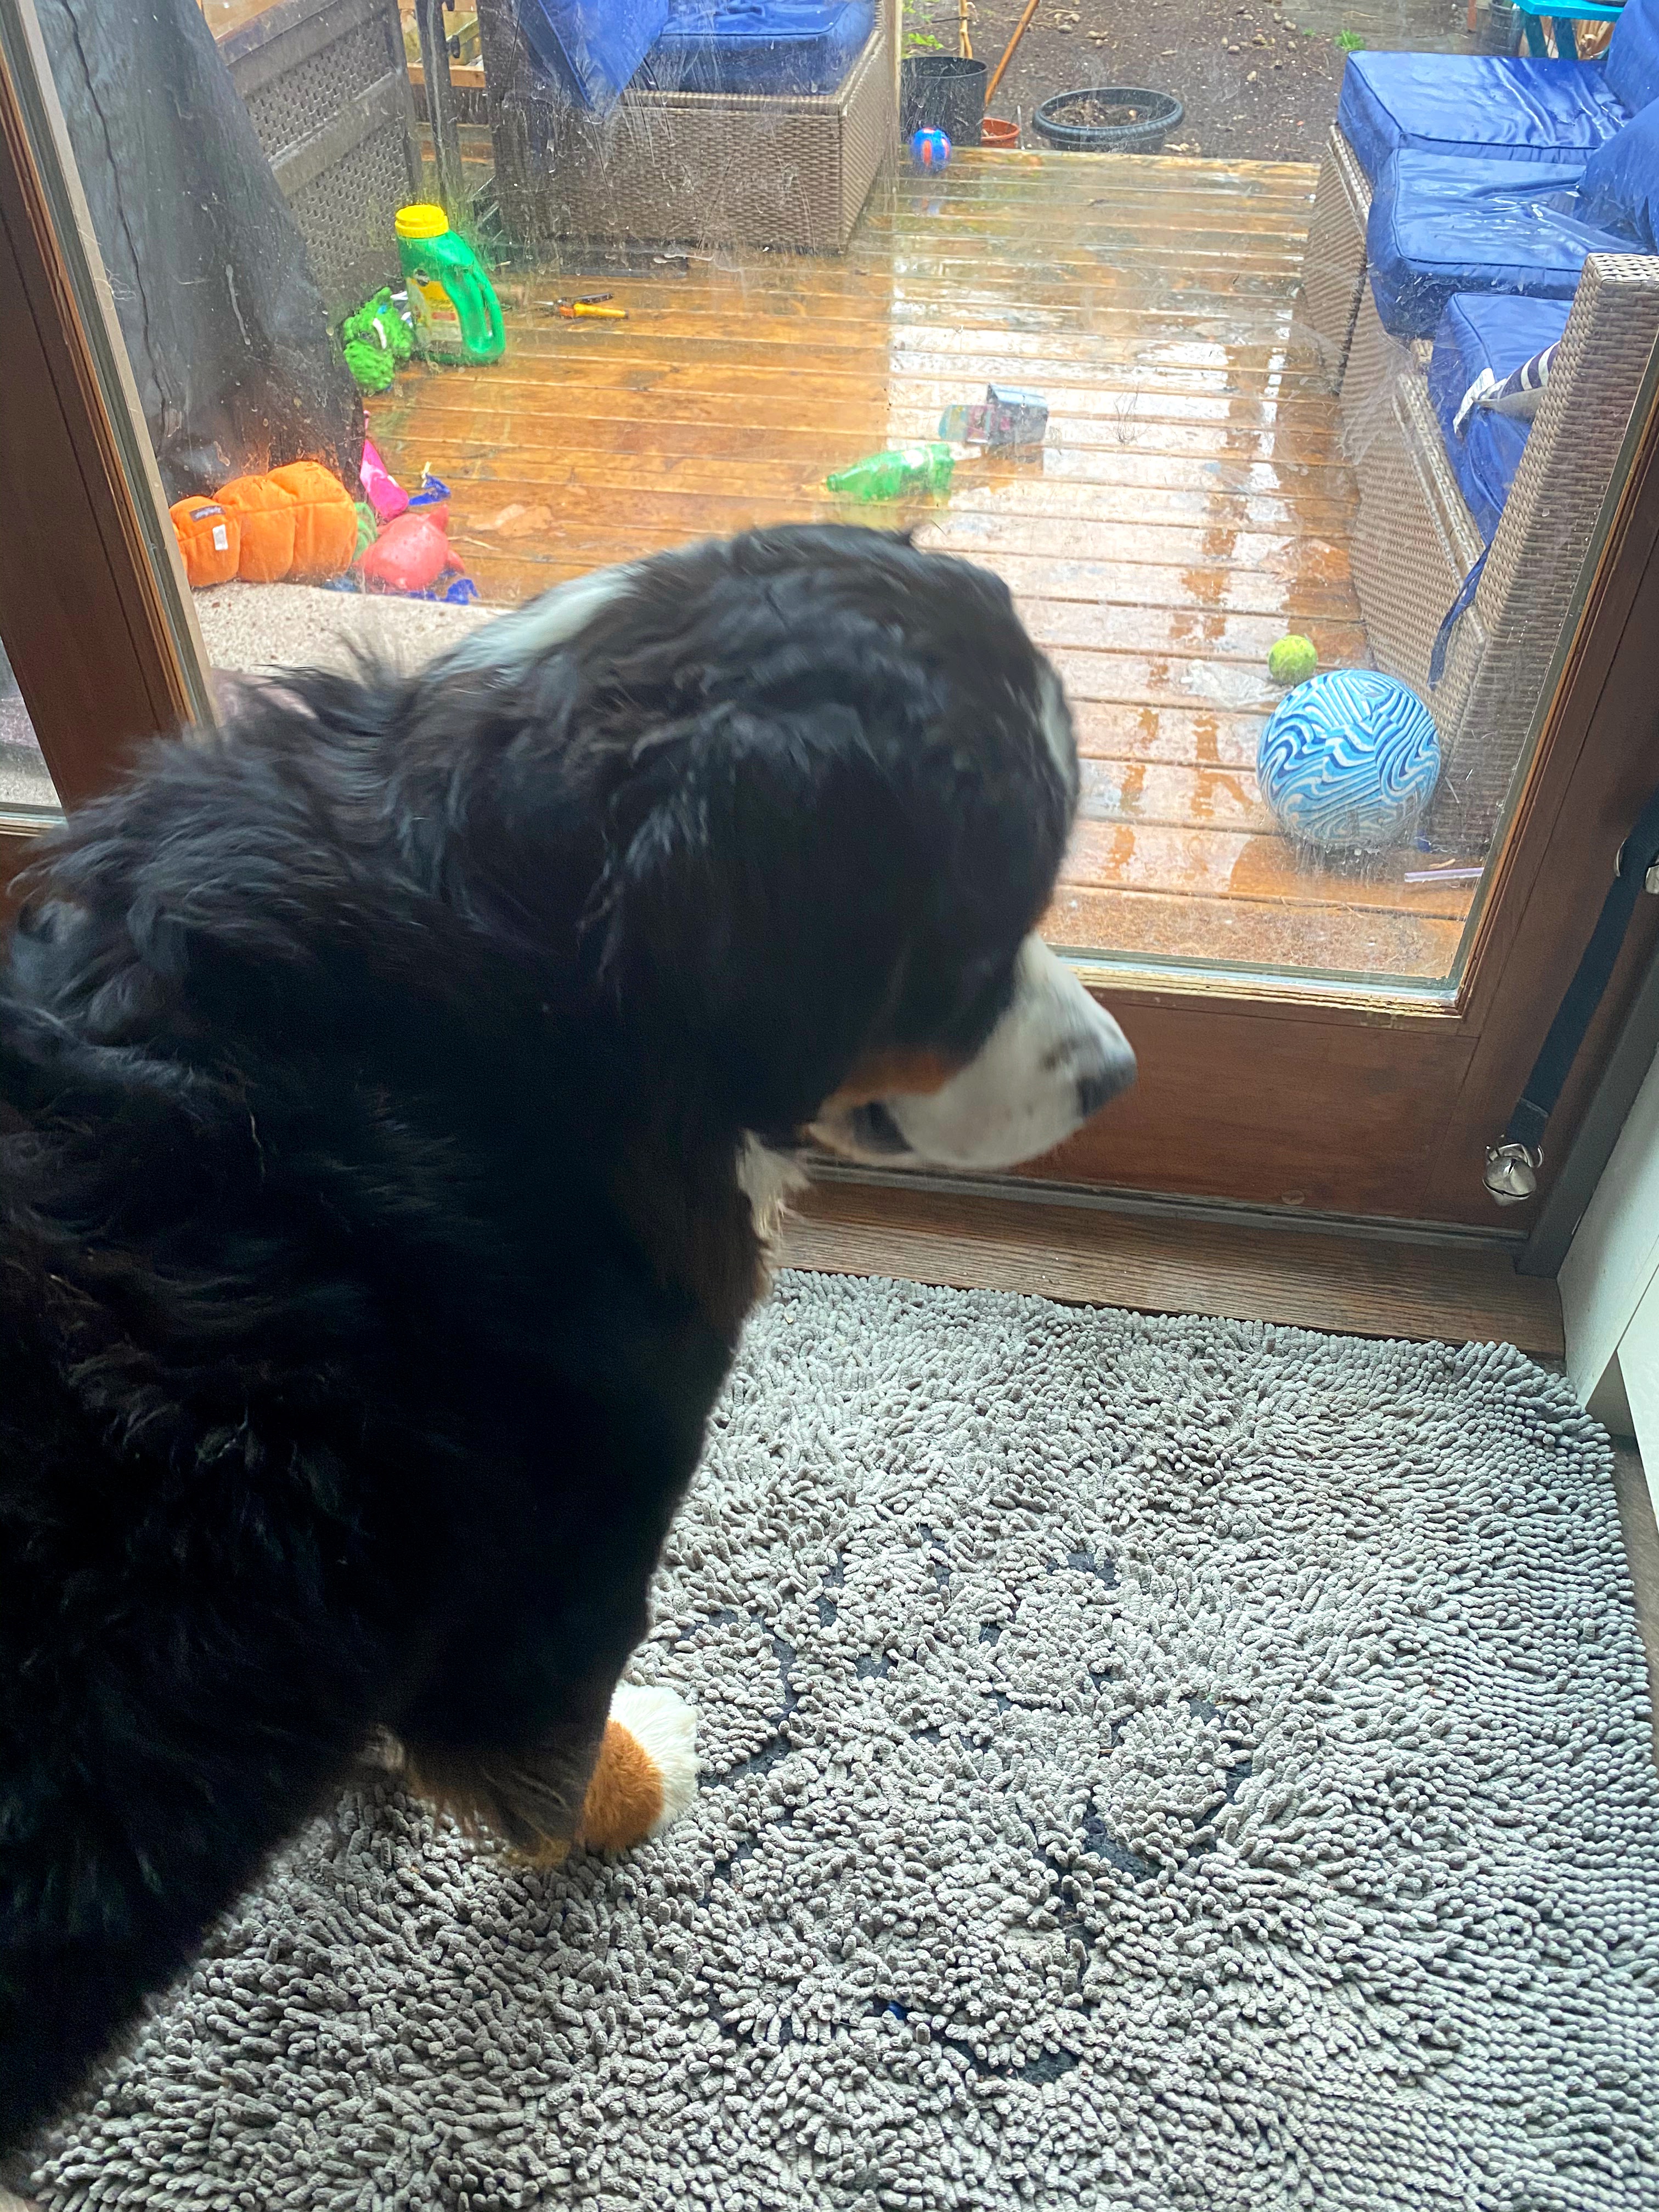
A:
[930, 150]
[905, 472]
[1005, 417]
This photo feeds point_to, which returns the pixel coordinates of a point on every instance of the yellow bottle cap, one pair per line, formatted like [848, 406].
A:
[420, 220]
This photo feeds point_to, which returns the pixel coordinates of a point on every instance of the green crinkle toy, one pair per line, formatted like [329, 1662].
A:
[376, 343]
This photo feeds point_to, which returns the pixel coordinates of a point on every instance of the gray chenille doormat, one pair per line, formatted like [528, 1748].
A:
[1147, 1762]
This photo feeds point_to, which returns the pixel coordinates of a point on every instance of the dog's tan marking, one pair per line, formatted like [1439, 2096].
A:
[624, 1800]
[902, 1072]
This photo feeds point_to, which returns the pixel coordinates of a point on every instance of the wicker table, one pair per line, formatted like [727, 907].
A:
[790, 170]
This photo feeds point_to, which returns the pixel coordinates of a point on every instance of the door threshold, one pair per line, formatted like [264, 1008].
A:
[1157, 1203]
[1161, 1256]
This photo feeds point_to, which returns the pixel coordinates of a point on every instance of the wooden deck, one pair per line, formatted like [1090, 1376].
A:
[1191, 505]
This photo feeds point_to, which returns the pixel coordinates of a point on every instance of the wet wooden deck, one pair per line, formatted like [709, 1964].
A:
[1191, 504]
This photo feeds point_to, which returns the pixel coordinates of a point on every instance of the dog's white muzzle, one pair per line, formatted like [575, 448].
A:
[1054, 1059]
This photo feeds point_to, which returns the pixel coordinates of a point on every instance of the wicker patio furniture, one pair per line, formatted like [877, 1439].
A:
[788, 169]
[1416, 539]
[1334, 272]
[1496, 684]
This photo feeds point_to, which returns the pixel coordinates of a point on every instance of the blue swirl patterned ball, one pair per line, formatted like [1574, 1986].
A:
[929, 149]
[1349, 759]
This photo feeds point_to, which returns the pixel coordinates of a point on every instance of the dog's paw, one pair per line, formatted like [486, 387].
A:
[646, 1774]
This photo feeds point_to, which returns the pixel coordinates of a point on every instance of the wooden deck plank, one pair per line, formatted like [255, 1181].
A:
[1192, 502]
[926, 376]
[1181, 796]
[1204, 861]
[1200, 583]
[1183, 737]
[1126, 410]
[1230, 487]
[1158, 926]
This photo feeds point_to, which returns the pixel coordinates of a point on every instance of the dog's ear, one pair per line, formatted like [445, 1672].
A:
[756, 899]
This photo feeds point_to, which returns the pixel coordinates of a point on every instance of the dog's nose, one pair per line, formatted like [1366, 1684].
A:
[1098, 1087]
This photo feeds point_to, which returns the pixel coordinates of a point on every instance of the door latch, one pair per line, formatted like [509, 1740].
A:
[1511, 1173]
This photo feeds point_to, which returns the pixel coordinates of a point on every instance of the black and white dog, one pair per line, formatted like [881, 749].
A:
[392, 1089]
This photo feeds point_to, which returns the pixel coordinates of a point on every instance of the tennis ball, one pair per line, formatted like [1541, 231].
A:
[1293, 660]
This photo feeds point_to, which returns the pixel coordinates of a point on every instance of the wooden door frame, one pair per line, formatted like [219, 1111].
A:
[93, 611]
[1282, 1092]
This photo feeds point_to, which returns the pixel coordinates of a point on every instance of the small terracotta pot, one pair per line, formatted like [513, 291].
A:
[997, 130]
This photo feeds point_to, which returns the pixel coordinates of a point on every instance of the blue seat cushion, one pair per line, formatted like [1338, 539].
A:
[759, 45]
[592, 47]
[1497, 330]
[1439, 226]
[1500, 106]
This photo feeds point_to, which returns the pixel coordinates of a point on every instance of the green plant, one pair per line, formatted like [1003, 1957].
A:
[921, 18]
[1351, 42]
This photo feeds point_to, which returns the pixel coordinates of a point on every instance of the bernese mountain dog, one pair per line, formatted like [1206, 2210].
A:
[395, 1088]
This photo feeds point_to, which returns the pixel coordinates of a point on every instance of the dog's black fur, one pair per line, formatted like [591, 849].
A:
[372, 1081]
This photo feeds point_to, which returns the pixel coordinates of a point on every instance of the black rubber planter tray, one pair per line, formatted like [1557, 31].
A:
[1113, 118]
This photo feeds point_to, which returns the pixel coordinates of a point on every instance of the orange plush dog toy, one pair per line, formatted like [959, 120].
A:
[297, 523]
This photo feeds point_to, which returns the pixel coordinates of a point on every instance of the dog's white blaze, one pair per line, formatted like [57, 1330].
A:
[1052, 1059]
[513, 641]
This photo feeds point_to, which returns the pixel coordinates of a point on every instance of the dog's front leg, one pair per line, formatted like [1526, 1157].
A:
[603, 1787]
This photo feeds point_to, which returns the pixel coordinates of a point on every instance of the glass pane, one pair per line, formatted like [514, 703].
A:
[1262, 426]
[25, 781]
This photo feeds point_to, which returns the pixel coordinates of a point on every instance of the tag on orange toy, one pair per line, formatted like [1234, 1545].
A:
[210, 539]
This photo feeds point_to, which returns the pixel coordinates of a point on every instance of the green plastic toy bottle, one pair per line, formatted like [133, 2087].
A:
[901, 473]
[452, 303]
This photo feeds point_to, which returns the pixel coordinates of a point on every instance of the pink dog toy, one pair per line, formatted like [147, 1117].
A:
[385, 494]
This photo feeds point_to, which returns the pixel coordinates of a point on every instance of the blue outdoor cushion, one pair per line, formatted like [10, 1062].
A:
[1501, 106]
[1439, 227]
[1633, 56]
[1496, 331]
[1620, 183]
[759, 45]
[592, 47]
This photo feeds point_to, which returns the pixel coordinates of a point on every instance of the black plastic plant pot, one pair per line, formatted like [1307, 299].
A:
[942, 92]
[1111, 119]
